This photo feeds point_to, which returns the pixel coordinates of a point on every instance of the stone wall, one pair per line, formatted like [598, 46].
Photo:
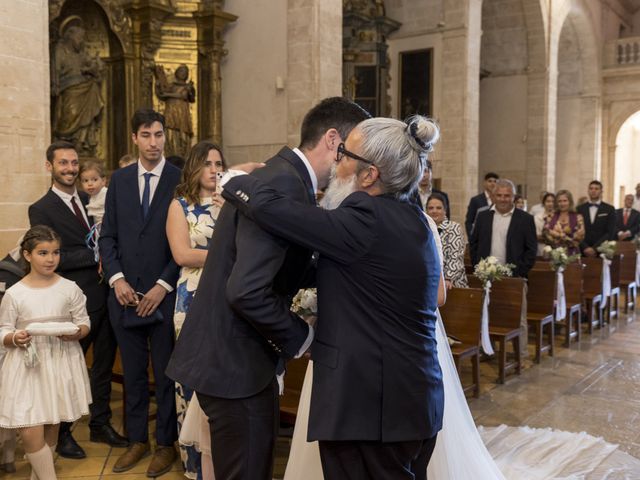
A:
[24, 113]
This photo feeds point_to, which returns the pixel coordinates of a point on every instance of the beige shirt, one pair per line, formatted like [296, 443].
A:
[501, 222]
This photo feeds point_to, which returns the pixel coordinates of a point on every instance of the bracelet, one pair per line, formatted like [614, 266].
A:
[13, 340]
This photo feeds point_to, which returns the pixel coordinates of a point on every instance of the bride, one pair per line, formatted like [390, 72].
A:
[459, 433]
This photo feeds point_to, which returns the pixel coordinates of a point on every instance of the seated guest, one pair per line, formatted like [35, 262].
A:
[505, 232]
[636, 198]
[565, 228]
[190, 224]
[520, 202]
[599, 221]
[627, 220]
[425, 189]
[538, 207]
[549, 204]
[479, 201]
[452, 243]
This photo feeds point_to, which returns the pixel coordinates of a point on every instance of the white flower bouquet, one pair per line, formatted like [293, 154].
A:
[559, 257]
[636, 241]
[489, 270]
[305, 303]
[607, 248]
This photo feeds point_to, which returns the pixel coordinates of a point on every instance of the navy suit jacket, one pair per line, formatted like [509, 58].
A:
[376, 374]
[522, 243]
[239, 328]
[129, 245]
[633, 223]
[77, 261]
[475, 203]
[602, 229]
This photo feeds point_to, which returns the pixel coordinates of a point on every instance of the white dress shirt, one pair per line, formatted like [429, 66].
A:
[501, 222]
[66, 198]
[312, 173]
[153, 185]
[593, 210]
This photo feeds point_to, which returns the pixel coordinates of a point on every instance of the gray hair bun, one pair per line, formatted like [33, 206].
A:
[423, 132]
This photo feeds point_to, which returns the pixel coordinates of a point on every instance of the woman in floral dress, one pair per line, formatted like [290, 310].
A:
[565, 228]
[190, 224]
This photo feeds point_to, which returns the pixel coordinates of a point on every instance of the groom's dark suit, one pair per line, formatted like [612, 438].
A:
[377, 384]
[239, 328]
[78, 263]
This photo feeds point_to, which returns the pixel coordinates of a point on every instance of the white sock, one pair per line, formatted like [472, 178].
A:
[42, 464]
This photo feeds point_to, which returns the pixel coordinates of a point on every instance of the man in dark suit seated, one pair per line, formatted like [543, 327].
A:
[599, 221]
[377, 397]
[239, 330]
[142, 276]
[480, 201]
[63, 208]
[627, 220]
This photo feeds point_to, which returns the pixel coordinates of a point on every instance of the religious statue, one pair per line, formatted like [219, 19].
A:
[177, 95]
[75, 85]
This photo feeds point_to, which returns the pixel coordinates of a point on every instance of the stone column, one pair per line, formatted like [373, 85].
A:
[459, 116]
[24, 113]
[314, 30]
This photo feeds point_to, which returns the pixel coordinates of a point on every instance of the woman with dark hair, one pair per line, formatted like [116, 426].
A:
[565, 228]
[549, 204]
[190, 224]
[452, 242]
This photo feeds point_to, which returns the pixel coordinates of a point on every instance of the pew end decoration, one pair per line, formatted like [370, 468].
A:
[558, 257]
[607, 249]
[489, 270]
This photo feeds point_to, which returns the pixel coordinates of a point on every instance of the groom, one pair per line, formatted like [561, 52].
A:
[377, 398]
[239, 331]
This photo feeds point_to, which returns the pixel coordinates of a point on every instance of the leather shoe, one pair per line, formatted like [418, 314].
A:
[69, 448]
[129, 459]
[162, 461]
[106, 434]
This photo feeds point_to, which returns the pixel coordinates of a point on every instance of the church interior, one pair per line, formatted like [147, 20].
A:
[546, 93]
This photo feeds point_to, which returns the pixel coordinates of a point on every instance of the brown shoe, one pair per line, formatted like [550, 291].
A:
[129, 459]
[162, 461]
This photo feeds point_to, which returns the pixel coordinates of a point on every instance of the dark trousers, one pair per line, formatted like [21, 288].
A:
[376, 460]
[104, 352]
[243, 433]
[135, 344]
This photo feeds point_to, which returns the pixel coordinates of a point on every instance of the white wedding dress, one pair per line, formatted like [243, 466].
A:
[460, 454]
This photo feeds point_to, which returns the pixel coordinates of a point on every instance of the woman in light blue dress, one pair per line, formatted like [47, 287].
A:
[190, 224]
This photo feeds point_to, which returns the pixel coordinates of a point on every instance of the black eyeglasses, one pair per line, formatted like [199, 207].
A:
[343, 151]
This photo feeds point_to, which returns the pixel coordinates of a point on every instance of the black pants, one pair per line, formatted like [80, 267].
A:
[104, 352]
[376, 460]
[135, 345]
[243, 434]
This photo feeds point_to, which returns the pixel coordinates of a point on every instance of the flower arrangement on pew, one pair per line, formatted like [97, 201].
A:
[558, 257]
[489, 270]
[305, 304]
[607, 248]
[636, 242]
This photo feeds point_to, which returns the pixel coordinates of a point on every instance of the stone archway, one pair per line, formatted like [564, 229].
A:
[578, 115]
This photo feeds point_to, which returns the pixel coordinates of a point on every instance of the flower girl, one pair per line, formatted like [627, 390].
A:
[44, 376]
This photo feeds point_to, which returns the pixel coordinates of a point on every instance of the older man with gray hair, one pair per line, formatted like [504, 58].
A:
[377, 399]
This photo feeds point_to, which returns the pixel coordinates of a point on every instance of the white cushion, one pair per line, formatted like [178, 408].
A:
[52, 328]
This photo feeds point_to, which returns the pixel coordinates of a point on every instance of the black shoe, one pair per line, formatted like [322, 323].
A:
[69, 448]
[106, 434]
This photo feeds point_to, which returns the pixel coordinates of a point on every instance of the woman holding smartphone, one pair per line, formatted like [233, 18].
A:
[190, 224]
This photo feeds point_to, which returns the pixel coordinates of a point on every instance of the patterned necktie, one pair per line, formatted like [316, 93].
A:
[78, 214]
[146, 193]
[625, 217]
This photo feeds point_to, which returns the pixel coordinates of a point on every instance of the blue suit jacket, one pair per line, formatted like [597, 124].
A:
[137, 248]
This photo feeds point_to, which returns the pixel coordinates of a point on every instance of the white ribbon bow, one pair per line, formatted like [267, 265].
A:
[606, 277]
[484, 331]
[561, 307]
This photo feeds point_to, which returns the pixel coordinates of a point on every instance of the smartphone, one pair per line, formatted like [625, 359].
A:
[219, 176]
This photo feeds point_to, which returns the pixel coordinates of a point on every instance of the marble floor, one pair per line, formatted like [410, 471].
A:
[593, 387]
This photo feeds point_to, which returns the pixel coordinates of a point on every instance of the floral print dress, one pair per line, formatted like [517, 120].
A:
[201, 221]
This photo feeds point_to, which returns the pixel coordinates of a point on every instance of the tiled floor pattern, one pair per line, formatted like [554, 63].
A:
[594, 387]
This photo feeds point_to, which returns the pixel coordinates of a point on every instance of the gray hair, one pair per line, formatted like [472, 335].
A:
[504, 183]
[398, 150]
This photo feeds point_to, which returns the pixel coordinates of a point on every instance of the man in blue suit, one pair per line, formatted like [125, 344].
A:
[142, 274]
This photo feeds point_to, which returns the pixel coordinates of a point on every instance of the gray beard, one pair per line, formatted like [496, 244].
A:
[338, 190]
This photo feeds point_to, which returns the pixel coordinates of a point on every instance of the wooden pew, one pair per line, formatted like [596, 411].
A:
[462, 316]
[505, 309]
[628, 274]
[613, 302]
[592, 291]
[573, 294]
[540, 307]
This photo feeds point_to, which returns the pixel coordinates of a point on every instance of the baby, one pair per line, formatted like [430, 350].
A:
[93, 182]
